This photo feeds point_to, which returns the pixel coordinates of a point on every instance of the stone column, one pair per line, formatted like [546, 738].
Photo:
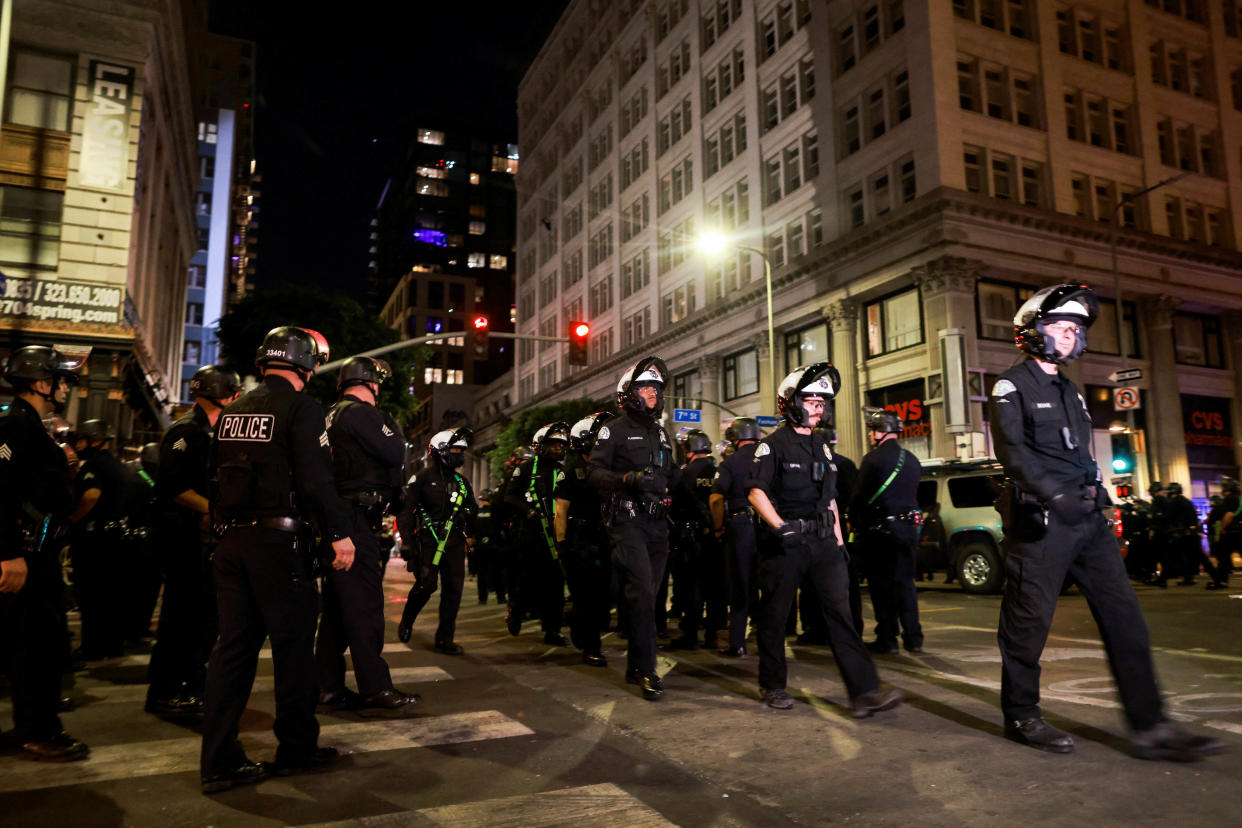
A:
[709, 381]
[1166, 442]
[767, 382]
[947, 286]
[842, 316]
[1233, 338]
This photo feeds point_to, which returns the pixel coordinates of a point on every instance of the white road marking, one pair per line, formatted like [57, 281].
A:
[156, 758]
[1229, 726]
[1202, 703]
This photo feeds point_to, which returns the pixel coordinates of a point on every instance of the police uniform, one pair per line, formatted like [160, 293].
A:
[34, 499]
[739, 526]
[97, 549]
[539, 584]
[486, 554]
[1184, 537]
[273, 470]
[886, 514]
[188, 623]
[1161, 555]
[637, 522]
[797, 474]
[368, 453]
[585, 555]
[701, 571]
[436, 548]
[1230, 535]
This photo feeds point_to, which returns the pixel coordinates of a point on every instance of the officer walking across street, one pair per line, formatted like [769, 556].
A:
[734, 521]
[1054, 527]
[700, 585]
[885, 511]
[538, 585]
[272, 470]
[485, 556]
[1184, 535]
[436, 518]
[632, 467]
[792, 486]
[368, 456]
[1161, 560]
[177, 673]
[584, 542]
[1229, 533]
[34, 500]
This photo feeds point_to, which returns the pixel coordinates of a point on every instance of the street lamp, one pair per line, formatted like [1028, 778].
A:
[713, 244]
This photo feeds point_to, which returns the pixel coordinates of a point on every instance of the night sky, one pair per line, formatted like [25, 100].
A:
[339, 98]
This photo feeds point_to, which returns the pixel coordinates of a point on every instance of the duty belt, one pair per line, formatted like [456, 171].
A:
[282, 524]
[820, 526]
[740, 512]
[649, 508]
[366, 498]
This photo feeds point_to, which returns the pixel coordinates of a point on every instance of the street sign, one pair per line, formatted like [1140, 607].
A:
[687, 415]
[1125, 398]
[1128, 375]
[766, 421]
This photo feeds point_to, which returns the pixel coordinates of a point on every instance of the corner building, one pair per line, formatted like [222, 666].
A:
[912, 171]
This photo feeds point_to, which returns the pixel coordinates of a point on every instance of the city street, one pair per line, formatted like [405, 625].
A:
[517, 733]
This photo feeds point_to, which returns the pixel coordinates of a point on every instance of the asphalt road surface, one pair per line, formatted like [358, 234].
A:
[516, 733]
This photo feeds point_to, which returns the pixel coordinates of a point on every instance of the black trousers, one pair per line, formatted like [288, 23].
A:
[741, 561]
[32, 633]
[780, 573]
[449, 576]
[585, 559]
[704, 605]
[890, 556]
[539, 586]
[489, 573]
[1228, 544]
[188, 625]
[98, 562]
[808, 604]
[264, 589]
[1035, 569]
[353, 616]
[640, 554]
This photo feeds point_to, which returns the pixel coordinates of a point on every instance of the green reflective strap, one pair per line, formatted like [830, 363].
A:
[146, 478]
[442, 542]
[901, 459]
[543, 518]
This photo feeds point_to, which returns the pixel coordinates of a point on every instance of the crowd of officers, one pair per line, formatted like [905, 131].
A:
[254, 502]
[1166, 536]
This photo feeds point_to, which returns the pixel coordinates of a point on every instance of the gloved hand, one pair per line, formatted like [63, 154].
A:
[791, 539]
[1072, 508]
[643, 481]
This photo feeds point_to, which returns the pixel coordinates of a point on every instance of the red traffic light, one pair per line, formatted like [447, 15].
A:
[480, 323]
[578, 332]
[581, 329]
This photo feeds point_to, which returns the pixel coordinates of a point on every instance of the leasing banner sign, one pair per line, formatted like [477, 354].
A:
[56, 299]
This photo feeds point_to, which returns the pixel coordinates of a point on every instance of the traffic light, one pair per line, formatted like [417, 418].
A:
[578, 333]
[1123, 453]
[479, 325]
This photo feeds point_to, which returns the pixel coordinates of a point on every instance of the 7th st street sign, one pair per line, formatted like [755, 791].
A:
[1128, 375]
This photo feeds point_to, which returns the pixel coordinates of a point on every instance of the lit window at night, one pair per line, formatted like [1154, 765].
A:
[499, 262]
[478, 228]
[474, 178]
[476, 260]
[505, 165]
[432, 172]
[435, 237]
[431, 136]
[434, 324]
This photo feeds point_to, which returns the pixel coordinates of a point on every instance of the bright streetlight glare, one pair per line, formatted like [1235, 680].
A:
[713, 244]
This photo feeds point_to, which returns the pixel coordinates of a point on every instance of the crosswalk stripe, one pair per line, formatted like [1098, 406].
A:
[139, 659]
[596, 805]
[167, 756]
[138, 692]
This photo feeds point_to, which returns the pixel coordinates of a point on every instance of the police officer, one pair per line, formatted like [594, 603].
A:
[584, 542]
[1184, 535]
[1161, 555]
[435, 522]
[539, 584]
[702, 574]
[1229, 533]
[1054, 527]
[272, 470]
[792, 486]
[34, 500]
[632, 467]
[187, 627]
[140, 513]
[886, 512]
[100, 573]
[368, 456]
[485, 555]
[735, 523]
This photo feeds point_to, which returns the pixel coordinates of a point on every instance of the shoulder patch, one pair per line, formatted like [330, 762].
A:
[387, 431]
[1003, 387]
[604, 433]
[763, 451]
[827, 451]
[580, 473]
[6, 453]
[323, 439]
[410, 482]
[179, 445]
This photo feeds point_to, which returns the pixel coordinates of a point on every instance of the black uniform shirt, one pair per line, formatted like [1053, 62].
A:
[33, 471]
[785, 467]
[183, 458]
[847, 478]
[1042, 431]
[1182, 515]
[731, 477]
[901, 495]
[535, 484]
[1229, 504]
[629, 443]
[434, 493]
[103, 471]
[584, 502]
[693, 490]
[270, 444]
[1159, 515]
[368, 451]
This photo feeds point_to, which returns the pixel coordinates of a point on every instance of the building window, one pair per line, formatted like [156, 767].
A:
[475, 260]
[1012, 16]
[193, 313]
[191, 352]
[1104, 331]
[997, 305]
[197, 276]
[498, 262]
[478, 228]
[431, 136]
[1197, 340]
[30, 223]
[40, 92]
[807, 346]
[741, 375]
[894, 323]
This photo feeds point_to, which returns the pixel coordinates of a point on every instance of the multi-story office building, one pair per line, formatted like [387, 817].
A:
[442, 247]
[226, 206]
[911, 171]
[97, 180]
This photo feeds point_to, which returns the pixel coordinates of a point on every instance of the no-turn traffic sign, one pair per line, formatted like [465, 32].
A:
[1125, 398]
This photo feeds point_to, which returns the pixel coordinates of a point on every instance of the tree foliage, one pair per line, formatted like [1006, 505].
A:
[348, 328]
[526, 423]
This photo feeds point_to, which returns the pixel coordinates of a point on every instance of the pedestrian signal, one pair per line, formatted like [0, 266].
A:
[578, 333]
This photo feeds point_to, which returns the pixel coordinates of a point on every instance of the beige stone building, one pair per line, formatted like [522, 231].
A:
[912, 171]
[97, 178]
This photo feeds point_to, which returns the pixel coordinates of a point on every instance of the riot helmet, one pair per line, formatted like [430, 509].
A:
[648, 371]
[1174, 489]
[28, 365]
[697, 442]
[300, 348]
[1072, 303]
[149, 458]
[583, 433]
[818, 380]
[448, 446]
[743, 429]
[1155, 488]
[550, 440]
[1229, 485]
[361, 370]
[883, 421]
[214, 383]
[95, 431]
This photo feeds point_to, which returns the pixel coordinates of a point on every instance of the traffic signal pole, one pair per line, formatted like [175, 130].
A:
[431, 339]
